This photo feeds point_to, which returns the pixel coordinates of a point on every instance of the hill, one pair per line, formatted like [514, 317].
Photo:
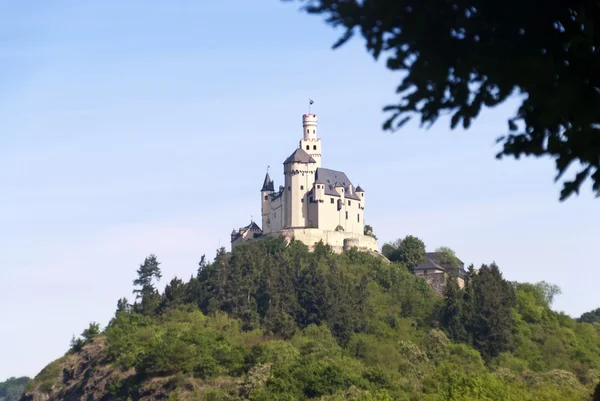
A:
[12, 388]
[270, 322]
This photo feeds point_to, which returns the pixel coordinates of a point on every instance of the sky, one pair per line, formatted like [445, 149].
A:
[142, 126]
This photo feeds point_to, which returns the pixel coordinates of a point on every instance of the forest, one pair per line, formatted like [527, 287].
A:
[12, 388]
[273, 321]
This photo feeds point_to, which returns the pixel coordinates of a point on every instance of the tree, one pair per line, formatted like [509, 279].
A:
[123, 305]
[453, 317]
[447, 257]
[549, 291]
[591, 317]
[368, 230]
[149, 296]
[460, 56]
[410, 250]
[12, 388]
[491, 321]
[87, 336]
[147, 271]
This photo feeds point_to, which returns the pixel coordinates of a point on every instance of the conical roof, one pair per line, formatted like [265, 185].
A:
[268, 184]
[299, 156]
[359, 189]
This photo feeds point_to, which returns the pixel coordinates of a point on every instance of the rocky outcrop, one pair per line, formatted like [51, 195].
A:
[85, 376]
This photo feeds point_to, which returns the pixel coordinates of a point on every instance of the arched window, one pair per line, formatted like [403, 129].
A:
[314, 147]
[307, 147]
[301, 186]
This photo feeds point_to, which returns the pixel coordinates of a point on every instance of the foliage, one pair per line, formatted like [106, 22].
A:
[463, 55]
[145, 291]
[446, 257]
[591, 317]
[481, 314]
[87, 336]
[12, 388]
[409, 250]
[273, 321]
[368, 230]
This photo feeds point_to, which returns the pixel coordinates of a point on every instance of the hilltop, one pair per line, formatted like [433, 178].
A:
[277, 322]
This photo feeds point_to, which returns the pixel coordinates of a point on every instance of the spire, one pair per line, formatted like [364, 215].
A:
[268, 184]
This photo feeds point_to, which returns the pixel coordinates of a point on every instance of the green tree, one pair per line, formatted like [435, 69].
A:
[145, 291]
[409, 250]
[87, 336]
[549, 291]
[123, 305]
[491, 323]
[453, 317]
[462, 56]
[12, 388]
[591, 316]
[447, 258]
[368, 230]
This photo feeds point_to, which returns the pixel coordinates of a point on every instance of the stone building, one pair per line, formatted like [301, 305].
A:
[314, 204]
[435, 272]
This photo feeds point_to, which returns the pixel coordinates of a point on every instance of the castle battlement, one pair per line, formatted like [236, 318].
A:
[314, 204]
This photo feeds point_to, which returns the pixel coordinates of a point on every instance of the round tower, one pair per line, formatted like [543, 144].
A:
[310, 143]
[361, 194]
[309, 126]
[299, 171]
[265, 194]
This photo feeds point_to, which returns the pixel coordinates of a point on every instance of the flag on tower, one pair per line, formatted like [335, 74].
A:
[310, 101]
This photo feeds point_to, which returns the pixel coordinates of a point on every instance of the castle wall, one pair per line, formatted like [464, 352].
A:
[335, 239]
[275, 219]
[350, 216]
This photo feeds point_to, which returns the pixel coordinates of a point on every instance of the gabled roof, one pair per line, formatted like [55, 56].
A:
[250, 227]
[299, 156]
[432, 263]
[268, 184]
[332, 179]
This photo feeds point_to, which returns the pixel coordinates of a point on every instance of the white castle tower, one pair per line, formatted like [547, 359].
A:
[314, 204]
[310, 143]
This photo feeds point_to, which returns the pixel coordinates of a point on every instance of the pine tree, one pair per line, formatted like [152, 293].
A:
[491, 322]
[150, 298]
[453, 316]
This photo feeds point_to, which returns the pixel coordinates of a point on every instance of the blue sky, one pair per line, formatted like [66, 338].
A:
[138, 127]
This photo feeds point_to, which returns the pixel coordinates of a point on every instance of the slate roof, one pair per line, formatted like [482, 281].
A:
[299, 156]
[250, 227]
[268, 185]
[431, 263]
[333, 178]
[359, 189]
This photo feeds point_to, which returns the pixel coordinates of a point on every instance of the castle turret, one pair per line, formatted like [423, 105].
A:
[299, 170]
[310, 143]
[361, 194]
[267, 190]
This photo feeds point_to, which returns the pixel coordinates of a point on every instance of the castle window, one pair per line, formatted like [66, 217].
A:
[315, 147]
[266, 197]
[313, 131]
[302, 200]
[346, 215]
[349, 203]
[289, 188]
[311, 199]
[301, 186]
[332, 201]
[358, 217]
[307, 147]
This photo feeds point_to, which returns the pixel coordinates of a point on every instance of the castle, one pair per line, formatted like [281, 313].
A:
[315, 204]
